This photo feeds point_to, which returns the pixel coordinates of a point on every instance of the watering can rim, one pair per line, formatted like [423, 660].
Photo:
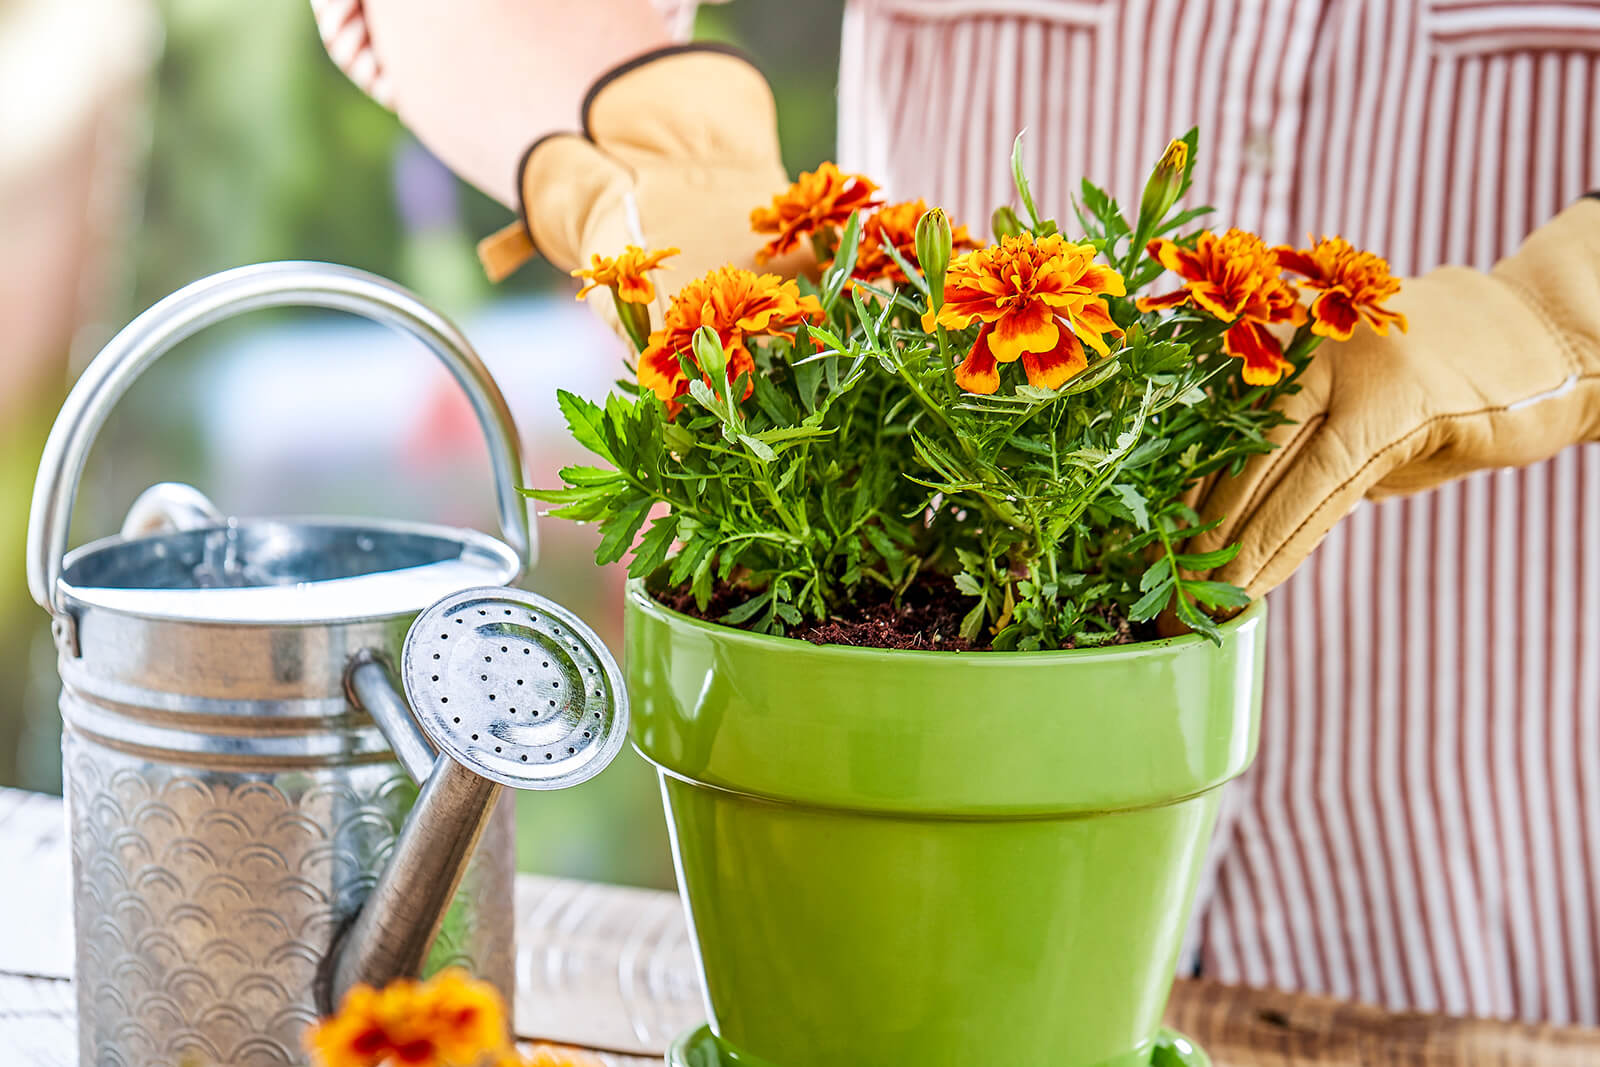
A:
[503, 566]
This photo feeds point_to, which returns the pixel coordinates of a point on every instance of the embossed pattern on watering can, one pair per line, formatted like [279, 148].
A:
[218, 895]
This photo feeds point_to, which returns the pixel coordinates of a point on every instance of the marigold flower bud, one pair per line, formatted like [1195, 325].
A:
[1005, 223]
[935, 241]
[1161, 191]
[635, 320]
[709, 354]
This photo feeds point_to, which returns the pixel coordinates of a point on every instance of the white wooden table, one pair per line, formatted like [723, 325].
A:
[610, 969]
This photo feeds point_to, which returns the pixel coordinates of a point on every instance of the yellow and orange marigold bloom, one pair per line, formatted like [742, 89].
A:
[895, 225]
[1237, 278]
[737, 305]
[821, 199]
[1353, 286]
[628, 274]
[1036, 300]
[451, 1020]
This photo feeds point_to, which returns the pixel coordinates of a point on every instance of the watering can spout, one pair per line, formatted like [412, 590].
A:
[392, 933]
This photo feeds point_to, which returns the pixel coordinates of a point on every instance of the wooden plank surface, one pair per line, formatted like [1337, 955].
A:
[611, 969]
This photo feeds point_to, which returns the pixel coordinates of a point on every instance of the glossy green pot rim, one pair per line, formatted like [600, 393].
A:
[642, 601]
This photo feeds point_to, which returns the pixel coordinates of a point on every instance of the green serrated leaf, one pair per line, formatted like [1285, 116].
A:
[746, 611]
[575, 493]
[653, 547]
[618, 530]
[1218, 595]
[689, 559]
[1205, 561]
[586, 421]
[844, 262]
[1158, 572]
[1149, 606]
[972, 624]
[590, 476]
[967, 584]
[1135, 502]
[758, 448]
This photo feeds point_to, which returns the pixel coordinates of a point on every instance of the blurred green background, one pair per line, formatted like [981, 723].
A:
[201, 134]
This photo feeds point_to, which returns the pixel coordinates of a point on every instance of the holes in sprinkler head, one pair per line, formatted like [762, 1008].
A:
[436, 655]
[570, 751]
[488, 659]
[459, 621]
[548, 756]
[474, 737]
[524, 757]
[546, 663]
[482, 612]
[444, 700]
[456, 720]
[497, 748]
[491, 696]
[483, 677]
[527, 651]
[519, 681]
[505, 648]
[436, 677]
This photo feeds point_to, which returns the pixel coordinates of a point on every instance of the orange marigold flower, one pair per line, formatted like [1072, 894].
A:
[451, 1020]
[1037, 299]
[895, 225]
[821, 198]
[738, 305]
[627, 274]
[1235, 277]
[1353, 286]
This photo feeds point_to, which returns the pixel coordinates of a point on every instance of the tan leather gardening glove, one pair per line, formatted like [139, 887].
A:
[1497, 370]
[677, 147]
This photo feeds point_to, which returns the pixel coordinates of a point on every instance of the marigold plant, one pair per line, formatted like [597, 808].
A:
[1018, 427]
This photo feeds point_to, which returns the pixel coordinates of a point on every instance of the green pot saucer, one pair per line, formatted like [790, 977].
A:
[701, 1048]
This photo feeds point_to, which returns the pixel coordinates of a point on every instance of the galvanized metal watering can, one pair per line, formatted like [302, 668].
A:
[259, 817]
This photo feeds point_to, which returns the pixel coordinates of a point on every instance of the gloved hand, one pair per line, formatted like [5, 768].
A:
[1497, 370]
[677, 147]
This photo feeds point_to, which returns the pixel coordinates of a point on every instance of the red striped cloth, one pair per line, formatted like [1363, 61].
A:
[1422, 826]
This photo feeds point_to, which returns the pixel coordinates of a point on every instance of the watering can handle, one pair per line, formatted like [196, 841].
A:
[222, 296]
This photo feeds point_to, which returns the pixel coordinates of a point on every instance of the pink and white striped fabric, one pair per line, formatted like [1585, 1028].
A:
[1422, 826]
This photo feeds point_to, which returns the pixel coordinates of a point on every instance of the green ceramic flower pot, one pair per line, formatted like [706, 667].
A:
[930, 859]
